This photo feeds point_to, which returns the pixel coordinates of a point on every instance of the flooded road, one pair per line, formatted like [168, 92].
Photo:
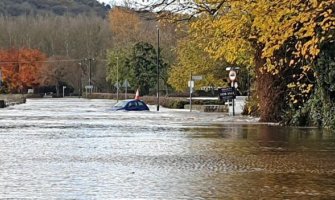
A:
[79, 149]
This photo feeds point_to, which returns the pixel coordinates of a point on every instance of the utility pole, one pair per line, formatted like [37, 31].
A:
[157, 68]
[191, 90]
[90, 73]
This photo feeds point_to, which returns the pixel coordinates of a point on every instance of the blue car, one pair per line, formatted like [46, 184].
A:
[130, 105]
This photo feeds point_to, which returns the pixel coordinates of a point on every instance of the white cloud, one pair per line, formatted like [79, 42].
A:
[103, 1]
[130, 2]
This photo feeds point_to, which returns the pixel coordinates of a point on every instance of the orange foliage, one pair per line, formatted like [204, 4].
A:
[125, 25]
[20, 68]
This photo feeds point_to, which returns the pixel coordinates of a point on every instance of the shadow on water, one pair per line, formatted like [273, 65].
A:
[267, 135]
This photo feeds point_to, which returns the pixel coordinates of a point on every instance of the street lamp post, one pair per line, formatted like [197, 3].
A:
[157, 68]
[90, 72]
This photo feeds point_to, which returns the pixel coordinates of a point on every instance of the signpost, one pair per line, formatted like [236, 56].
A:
[232, 75]
[230, 93]
[227, 93]
[125, 85]
[88, 87]
[64, 91]
[117, 85]
[197, 78]
[191, 86]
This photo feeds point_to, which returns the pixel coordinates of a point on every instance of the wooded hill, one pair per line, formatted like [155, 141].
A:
[56, 7]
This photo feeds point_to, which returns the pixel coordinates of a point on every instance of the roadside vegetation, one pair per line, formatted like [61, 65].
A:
[287, 46]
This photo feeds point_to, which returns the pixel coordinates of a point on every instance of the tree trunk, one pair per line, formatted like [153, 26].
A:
[270, 92]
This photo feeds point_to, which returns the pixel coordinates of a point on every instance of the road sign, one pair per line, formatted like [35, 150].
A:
[232, 68]
[125, 84]
[227, 93]
[191, 84]
[89, 87]
[196, 78]
[117, 85]
[232, 75]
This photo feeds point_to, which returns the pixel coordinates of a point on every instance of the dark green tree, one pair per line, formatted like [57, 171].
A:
[142, 64]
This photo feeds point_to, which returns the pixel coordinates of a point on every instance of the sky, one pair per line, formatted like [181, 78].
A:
[105, 1]
[121, 2]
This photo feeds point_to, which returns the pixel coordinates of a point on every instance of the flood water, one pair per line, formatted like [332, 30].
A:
[79, 149]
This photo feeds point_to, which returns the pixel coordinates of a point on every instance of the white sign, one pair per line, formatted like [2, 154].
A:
[232, 75]
[126, 84]
[197, 78]
[232, 68]
[191, 84]
[117, 85]
[234, 84]
[89, 87]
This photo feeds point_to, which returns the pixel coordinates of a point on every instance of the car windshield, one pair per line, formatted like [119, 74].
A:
[121, 104]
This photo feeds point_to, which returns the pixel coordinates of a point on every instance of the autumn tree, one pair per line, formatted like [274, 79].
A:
[194, 60]
[129, 26]
[280, 40]
[21, 68]
[70, 37]
[125, 26]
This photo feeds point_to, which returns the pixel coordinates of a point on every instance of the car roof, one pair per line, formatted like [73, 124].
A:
[129, 100]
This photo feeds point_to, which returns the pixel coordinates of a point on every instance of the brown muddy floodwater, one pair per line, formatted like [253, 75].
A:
[79, 149]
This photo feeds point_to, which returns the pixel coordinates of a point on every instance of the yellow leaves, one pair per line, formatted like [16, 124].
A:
[309, 25]
[310, 49]
[314, 3]
[225, 37]
[291, 62]
[285, 33]
[291, 85]
[305, 91]
[306, 68]
[192, 58]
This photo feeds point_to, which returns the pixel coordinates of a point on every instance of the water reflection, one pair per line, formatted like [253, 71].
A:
[77, 149]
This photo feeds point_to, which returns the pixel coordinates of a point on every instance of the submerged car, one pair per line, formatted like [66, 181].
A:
[130, 105]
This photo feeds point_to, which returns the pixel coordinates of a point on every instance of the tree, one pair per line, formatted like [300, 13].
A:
[21, 68]
[69, 37]
[61, 71]
[280, 39]
[125, 26]
[192, 59]
[117, 70]
[142, 64]
[129, 26]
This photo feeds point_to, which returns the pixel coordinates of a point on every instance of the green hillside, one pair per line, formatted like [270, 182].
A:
[56, 7]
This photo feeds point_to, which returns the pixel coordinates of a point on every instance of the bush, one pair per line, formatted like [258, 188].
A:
[251, 107]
